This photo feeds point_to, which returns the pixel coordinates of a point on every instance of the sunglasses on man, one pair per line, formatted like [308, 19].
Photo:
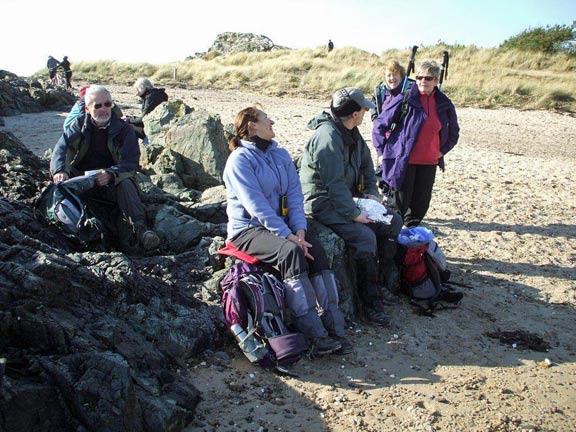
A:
[107, 104]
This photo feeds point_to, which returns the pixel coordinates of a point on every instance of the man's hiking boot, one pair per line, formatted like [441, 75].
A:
[450, 296]
[347, 347]
[149, 240]
[388, 298]
[325, 345]
[375, 313]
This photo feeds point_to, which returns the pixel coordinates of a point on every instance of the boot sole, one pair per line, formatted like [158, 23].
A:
[328, 351]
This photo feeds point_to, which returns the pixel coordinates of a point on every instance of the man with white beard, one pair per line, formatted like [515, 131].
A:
[103, 144]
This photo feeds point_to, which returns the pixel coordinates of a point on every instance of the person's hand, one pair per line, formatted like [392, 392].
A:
[363, 218]
[380, 159]
[373, 197]
[104, 178]
[300, 240]
[441, 155]
[60, 176]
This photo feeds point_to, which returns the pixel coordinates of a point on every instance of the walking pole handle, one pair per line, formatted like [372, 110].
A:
[444, 69]
[410, 67]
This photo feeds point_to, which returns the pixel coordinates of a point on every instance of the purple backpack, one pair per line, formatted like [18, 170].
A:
[253, 303]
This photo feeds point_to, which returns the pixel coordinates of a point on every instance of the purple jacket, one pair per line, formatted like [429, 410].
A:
[397, 147]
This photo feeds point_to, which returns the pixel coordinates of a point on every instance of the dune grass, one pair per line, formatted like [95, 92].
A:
[478, 77]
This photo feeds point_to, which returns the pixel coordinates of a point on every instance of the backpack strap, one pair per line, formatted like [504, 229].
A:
[277, 288]
[433, 273]
[253, 290]
[378, 98]
[404, 107]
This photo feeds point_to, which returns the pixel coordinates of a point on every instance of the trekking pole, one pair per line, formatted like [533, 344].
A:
[444, 68]
[410, 68]
[2, 370]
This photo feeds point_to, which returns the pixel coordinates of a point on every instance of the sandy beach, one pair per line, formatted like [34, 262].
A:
[504, 212]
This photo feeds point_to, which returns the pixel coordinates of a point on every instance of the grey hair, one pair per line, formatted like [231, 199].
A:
[430, 66]
[142, 84]
[92, 91]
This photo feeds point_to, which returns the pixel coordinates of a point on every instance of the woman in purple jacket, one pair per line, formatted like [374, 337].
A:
[266, 220]
[412, 143]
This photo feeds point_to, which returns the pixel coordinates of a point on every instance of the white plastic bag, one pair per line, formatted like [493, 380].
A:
[374, 210]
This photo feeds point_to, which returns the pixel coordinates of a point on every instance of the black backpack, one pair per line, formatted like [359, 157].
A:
[60, 205]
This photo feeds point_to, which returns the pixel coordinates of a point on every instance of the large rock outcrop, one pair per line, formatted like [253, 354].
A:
[231, 42]
[19, 95]
[95, 340]
[99, 339]
[185, 143]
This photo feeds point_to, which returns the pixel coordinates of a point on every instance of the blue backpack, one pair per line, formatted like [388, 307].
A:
[60, 205]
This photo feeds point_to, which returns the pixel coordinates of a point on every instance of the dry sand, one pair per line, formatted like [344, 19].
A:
[504, 213]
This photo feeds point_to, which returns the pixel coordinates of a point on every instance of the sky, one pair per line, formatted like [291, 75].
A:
[162, 31]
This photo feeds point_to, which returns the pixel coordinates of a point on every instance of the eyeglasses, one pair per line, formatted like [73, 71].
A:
[425, 78]
[107, 104]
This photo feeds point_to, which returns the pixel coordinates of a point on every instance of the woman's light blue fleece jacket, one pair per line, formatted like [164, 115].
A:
[255, 181]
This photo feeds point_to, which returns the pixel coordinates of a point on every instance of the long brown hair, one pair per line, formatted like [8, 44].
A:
[241, 121]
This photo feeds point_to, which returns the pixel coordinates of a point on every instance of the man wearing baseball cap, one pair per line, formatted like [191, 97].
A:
[336, 167]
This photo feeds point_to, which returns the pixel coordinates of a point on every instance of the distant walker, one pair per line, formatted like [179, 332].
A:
[330, 45]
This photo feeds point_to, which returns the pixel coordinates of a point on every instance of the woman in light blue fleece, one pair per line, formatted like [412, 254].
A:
[266, 220]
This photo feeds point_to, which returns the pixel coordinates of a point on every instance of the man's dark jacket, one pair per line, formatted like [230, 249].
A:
[74, 142]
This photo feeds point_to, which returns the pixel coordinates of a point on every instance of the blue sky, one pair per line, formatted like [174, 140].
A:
[170, 30]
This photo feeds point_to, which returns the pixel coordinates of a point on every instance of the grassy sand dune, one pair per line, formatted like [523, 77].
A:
[478, 77]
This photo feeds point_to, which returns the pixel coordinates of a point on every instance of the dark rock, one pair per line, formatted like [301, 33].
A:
[180, 232]
[94, 340]
[19, 95]
[189, 144]
[211, 206]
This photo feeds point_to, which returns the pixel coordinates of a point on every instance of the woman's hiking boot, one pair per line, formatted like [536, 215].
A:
[300, 299]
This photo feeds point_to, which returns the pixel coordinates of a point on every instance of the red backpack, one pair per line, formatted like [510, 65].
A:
[423, 282]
